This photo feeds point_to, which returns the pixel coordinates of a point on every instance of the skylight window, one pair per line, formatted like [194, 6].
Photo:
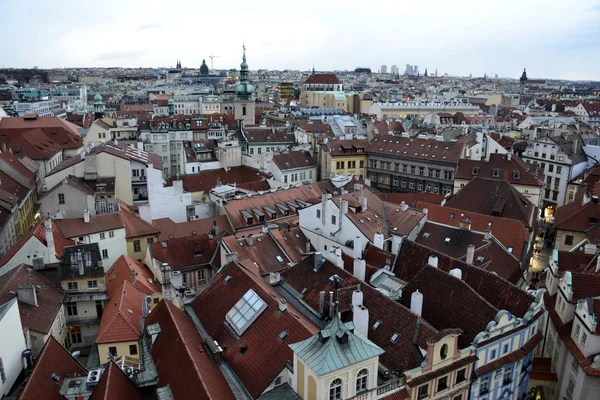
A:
[447, 240]
[245, 311]
[279, 258]
[395, 337]
[376, 324]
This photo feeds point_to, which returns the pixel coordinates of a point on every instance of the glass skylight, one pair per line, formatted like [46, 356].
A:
[245, 311]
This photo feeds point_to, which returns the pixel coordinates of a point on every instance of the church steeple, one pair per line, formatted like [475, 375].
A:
[244, 89]
[98, 106]
[523, 79]
[425, 74]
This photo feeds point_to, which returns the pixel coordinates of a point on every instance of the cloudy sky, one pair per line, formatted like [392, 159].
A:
[552, 38]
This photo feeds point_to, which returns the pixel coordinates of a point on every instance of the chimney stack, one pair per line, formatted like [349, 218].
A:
[363, 203]
[323, 209]
[487, 235]
[307, 246]
[465, 223]
[470, 254]
[28, 295]
[339, 261]
[403, 206]
[282, 305]
[360, 314]
[86, 216]
[456, 272]
[215, 228]
[357, 247]
[433, 261]
[360, 268]
[416, 302]
[509, 156]
[331, 307]
[378, 239]
[49, 238]
[249, 240]
[265, 229]
[318, 261]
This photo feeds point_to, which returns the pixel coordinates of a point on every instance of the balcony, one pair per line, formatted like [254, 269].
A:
[75, 320]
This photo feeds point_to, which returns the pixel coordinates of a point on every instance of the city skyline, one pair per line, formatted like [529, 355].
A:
[477, 39]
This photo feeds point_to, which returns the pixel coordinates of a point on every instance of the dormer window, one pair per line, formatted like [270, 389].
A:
[475, 171]
[496, 173]
[516, 174]
[444, 351]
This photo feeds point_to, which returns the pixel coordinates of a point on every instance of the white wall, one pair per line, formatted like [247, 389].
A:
[115, 246]
[11, 346]
[31, 249]
[166, 202]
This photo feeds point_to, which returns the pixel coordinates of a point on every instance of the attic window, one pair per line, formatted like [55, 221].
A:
[395, 338]
[376, 324]
[426, 235]
[475, 171]
[279, 259]
[516, 174]
[496, 173]
[480, 259]
[510, 250]
[245, 311]
[447, 240]
[283, 335]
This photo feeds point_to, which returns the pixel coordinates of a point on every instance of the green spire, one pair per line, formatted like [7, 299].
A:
[244, 89]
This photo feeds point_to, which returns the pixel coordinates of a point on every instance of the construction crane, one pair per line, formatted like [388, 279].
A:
[212, 57]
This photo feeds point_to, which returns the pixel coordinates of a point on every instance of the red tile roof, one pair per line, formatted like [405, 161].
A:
[172, 230]
[579, 218]
[127, 269]
[129, 153]
[576, 261]
[22, 167]
[294, 160]
[420, 149]
[177, 344]
[324, 78]
[345, 147]
[114, 384]
[411, 199]
[61, 132]
[34, 144]
[121, 316]
[266, 355]
[260, 257]
[207, 180]
[75, 227]
[293, 242]
[54, 359]
[530, 174]
[188, 251]
[49, 297]
[134, 225]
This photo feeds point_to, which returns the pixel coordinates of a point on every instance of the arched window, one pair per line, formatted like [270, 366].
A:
[244, 110]
[361, 380]
[335, 390]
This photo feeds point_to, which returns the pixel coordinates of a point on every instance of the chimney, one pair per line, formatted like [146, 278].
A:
[378, 239]
[509, 156]
[360, 316]
[360, 267]
[323, 209]
[215, 228]
[28, 295]
[274, 278]
[321, 301]
[425, 211]
[331, 308]
[339, 261]
[416, 302]
[456, 272]
[433, 261]
[363, 203]
[357, 248]
[318, 261]
[343, 208]
[403, 206]
[465, 223]
[487, 235]
[249, 240]
[86, 216]
[49, 238]
[265, 229]
[307, 245]
[282, 305]
[575, 142]
[470, 254]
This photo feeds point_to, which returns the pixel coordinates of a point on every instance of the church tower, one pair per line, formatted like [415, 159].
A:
[98, 106]
[523, 79]
[244, 91]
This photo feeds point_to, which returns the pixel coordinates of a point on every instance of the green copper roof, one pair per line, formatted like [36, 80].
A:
[244, 89]
[335, 347]
[97, 99]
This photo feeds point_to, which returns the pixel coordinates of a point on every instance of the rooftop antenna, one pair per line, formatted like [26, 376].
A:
[212, 57]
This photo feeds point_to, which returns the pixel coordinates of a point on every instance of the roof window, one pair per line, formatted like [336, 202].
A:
[245, 311]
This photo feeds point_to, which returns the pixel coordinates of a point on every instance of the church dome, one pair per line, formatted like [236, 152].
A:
[204, 68]
[97, 98]
[244, 89]
[171, 101]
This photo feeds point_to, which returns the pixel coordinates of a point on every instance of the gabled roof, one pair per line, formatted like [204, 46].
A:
[75, 227]
[337, 346]
[34, 144]
[266, 354]
[579, 218]
[294, 160]
[262, 257]
[206, 180]
[177, 344]
[121, 316]
[323, 78]
[172, 230]
[188, 251]
[127, 269]
[54, 359]
[493, 197]
[530, 174]
[59, 131]
[420, 149]
[49, 298]
[114, 384]
[134, 225]
[130, 154]
[22, 167]
[411, 199]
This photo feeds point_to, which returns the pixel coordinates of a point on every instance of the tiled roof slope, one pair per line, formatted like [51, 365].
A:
[497, 291]
[173, 230]
[261, 256]
[529, 174]
[121, 316]
[134, 225]
[579, 218]
[419, 149]
[63, 133]
[114, 384]
[177, 344]
[53, 359]
[394, 317]
[265, 355]
[49, 298]
[293, 160]
[325, 78]
[127, 269]
[411, 199]
[207, 180]
[187, 251]
[75, 227]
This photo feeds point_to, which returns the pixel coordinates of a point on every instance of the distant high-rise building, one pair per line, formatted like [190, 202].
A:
[411, 69]
[384, 69]
[394, 70]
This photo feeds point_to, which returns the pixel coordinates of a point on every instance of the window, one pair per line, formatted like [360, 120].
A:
[133, 350]
[442, 383]
[318, 213]
[111, 234]
[285, 179]
[569, 240]
[245, 311]
[72, 286]
[570, 386]
[104, 253]
[202, 275]
[92, 284]
[558, 169]
[361, 380]
[137, 247]
[461, 375]
[361, 164]
[577, 330]
[71, 309]
[335, 390]
[102, 235]
[351, 164]
[505, 349]
[507, 376]
[112, 350]
[583, 338]
[422, 393]
[333, 220]
[444, 351]
[150, 240]
[278, 381]
[2, 372]
[484, 386]
[339, 165]
[550, 167]
[496, 173]
[61, 198]
[492, 354]
[76, 334]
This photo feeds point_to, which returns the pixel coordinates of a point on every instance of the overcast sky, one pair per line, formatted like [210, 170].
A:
[552, 38]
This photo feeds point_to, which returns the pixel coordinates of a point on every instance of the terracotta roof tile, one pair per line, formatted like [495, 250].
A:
[323, 78]
[179, 343]
[530, 174]
[53, 359]
[207, 180]
[134, 225]
[173, 230]
[127, 269]
[420, 149]
[294, 160]
[75, 227]
[114, 384]
[411, 199]
[61, 132]
[188, 251]
[261, 257]
[121, 316]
